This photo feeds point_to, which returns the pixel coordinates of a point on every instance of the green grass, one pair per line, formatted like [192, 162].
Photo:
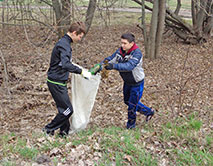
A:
[209, 140]
[11, 146]
[186, 130]
[180, 140]
[185, 4]
[190, 151]
[120, 145]
[7, 163]
[193, 157]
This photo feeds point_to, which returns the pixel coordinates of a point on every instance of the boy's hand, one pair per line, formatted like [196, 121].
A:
[104, 73]
[105, 61]
[109, 66]
[86, 74]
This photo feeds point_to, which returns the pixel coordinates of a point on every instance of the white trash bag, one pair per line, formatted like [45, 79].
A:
[83, 97]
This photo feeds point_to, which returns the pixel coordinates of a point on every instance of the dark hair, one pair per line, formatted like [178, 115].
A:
[79, 27]
[129, 37]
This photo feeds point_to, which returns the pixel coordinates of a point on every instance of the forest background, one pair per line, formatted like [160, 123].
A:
[178, 85]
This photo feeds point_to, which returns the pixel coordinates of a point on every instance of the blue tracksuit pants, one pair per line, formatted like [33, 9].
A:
[132, 96]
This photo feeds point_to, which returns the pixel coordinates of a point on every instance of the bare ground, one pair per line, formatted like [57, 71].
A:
[177, 84]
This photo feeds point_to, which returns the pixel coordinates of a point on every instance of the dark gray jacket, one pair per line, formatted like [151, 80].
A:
[61, 61]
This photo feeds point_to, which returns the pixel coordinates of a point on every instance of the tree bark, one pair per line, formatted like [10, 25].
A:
[208, 26]
[208, 29]
[143, 25]
[193, 11]
[2, 15]
[66, 16]
[200, 18]
[72, 9]
[62, 12]
[208, 6]
[57, 9]
[90, 14]
[177, 10]
[161, 21]
[153, 30]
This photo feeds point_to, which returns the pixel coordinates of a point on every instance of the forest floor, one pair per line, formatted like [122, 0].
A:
[178, 85]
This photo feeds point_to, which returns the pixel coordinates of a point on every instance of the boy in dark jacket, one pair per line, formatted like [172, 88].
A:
[58, 73]
[128, 61]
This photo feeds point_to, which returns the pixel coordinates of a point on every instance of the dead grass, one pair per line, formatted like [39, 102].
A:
[178, 85]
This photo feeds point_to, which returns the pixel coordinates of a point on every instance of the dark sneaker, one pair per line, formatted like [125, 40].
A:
[130, 127]
[131, 124]
[48, 132]
[63, 134]
[150, 115]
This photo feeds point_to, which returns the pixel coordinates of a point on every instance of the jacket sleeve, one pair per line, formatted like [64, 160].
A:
[112, 58]
[65, 63]
[130, 64]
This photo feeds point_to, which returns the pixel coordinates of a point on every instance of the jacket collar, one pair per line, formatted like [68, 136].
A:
[68, 38]
[123, 53]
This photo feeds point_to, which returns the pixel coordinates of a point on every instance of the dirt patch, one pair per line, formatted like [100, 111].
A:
[176, 84]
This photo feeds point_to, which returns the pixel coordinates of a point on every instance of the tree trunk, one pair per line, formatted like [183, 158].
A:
[209, 19]
[161, 21]
[62, 12]
[72, 9]
[143, 25]
[193, 11]
[208, 29]
[153, 30]
[178, 7]
[200, 18]
[66, 14]
[2, 15]
[90, 14]
[57, 9]
[202, 22]
[208, 6]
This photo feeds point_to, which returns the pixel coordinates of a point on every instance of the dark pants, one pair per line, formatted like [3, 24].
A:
[132, 96]
[64, 106]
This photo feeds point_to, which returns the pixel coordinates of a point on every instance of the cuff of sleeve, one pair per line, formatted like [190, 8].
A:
[80, 71]
[115, 66]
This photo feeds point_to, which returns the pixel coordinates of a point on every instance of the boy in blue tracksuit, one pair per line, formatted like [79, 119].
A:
[128, 61]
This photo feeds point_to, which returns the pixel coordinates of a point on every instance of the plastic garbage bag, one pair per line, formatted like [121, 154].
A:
[83, 97]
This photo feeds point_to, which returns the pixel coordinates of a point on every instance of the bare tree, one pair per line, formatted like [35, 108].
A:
[62, 13]
[90, 13]
[202, 18]
[153, 31]
[2, 14]
[178, 7]
[153, 41]
[143, 26]
[160, 29]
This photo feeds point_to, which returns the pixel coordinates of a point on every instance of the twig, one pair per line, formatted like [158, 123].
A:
[6, 78]
[4, 23]
[31, 43]
[47, 3]
[182, 85]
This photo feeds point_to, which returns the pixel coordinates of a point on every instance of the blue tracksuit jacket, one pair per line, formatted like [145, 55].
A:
[129, 65]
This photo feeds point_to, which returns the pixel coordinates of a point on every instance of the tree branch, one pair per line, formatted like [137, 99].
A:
[173, 17]
[46, 3]
[6, 78]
